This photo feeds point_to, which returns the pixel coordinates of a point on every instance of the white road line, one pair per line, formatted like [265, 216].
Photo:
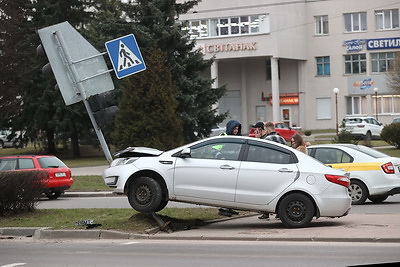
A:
[129, 243]
[14, 264]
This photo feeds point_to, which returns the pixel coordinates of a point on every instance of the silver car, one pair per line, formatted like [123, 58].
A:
[241, 173]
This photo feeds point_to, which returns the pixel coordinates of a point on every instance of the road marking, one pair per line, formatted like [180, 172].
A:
[13, 264]
[129, 243]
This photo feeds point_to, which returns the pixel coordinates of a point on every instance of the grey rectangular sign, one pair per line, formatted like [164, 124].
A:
[67, 49]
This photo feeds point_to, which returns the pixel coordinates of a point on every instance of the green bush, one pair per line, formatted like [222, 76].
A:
[344, 137]
[19, 191]
[391, 134]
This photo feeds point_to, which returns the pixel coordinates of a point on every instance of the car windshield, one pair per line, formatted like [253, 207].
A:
[371, 152]
[50, 162]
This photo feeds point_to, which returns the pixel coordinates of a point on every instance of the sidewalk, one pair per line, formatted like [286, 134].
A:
[379, 228]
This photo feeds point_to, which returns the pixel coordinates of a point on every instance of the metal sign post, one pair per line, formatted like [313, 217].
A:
[80, 69]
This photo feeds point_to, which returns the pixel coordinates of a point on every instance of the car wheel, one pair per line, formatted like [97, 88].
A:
[378, 199]
[53, 194]
[358, 192]
[163, 203]
[368, 136]
[145, 194]
[296, 210]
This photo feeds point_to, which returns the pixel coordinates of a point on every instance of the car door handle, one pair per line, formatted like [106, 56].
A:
[226, 167]
[285, 170]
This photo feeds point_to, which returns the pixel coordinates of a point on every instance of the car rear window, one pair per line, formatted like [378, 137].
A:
[51, 162]
[371, 152]
[353, 120]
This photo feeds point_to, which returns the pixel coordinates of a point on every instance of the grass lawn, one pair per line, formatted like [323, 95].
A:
[116, 219]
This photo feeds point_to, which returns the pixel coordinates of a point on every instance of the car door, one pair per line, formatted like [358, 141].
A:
[210, 173]
[376, 127]
[266, 171]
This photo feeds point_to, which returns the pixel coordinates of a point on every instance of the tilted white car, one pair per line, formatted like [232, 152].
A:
[242, 173]
[374, 175]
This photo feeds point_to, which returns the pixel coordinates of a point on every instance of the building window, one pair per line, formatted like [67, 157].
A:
[227, 26]
[355, 22]
[387, 19]
[387, 104]
[382, 62]
[355, 64]
[323, 66]
[324, 108]
[355, 105]
[321, 25]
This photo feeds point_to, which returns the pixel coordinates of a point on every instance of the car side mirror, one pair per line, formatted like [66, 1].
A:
[185, 153]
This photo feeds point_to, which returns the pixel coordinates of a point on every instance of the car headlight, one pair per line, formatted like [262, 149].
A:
[123, 161]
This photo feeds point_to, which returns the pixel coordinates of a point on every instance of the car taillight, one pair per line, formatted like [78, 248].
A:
[338, 179]
[388, 168]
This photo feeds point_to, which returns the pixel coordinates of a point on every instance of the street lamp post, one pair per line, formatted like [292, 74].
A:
[336, 91]
[376, 102]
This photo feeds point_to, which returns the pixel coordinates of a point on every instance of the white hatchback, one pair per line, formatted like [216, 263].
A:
[363, 127]
[242, 173]
[373, 175]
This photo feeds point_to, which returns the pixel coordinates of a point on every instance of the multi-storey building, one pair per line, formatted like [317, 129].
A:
[282, 59]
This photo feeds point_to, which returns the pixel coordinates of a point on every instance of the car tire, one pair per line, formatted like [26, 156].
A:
[53, 194]
[378, 199]
[145, 194]
[358, 192]
[296, 210]
[163, 203]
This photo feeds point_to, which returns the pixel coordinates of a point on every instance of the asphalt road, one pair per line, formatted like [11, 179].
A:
[192, 253]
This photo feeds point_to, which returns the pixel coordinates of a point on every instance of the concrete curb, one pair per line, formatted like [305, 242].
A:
[46, 233]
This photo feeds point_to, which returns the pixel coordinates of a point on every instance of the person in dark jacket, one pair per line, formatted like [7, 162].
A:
[233, 127]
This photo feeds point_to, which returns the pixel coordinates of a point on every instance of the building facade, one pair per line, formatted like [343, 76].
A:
[281, 60]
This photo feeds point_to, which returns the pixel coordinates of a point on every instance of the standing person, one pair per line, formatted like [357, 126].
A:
[259, 131]
[272, 135]
[298, 143]
[233, 127]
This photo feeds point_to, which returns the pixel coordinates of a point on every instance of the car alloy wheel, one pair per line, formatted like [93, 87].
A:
[358, 192]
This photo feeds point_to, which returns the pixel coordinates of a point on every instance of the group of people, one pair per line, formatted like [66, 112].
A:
[267, 131]
[264, 131]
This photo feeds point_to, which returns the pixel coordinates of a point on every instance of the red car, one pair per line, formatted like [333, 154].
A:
[59, 175]
[281, 128]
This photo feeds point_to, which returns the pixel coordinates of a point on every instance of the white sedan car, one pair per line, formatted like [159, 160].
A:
[373, 175]
[242, 173]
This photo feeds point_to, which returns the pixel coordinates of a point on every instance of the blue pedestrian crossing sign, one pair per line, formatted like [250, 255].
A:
[125, 56]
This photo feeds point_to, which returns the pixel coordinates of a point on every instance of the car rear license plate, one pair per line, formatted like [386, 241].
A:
[61, 174]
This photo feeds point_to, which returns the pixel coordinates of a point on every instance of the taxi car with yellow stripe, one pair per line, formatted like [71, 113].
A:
[373, 174]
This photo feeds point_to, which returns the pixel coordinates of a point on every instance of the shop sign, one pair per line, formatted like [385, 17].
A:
[355, 45]
[229, 47]
[364, 85]
[284, 99]
[383, 43]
